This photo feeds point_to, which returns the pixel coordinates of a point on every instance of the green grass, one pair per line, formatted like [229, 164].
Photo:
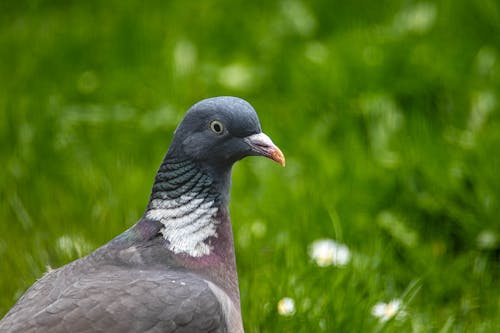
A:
[388, 113]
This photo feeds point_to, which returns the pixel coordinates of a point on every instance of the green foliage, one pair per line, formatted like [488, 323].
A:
[388, 113]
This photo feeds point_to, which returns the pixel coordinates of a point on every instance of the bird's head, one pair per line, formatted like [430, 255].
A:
[219, 131]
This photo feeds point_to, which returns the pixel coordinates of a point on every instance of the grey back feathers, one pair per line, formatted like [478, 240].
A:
[118, 301]
[175, 269]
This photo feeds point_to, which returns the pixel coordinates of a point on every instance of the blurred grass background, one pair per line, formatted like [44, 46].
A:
[387, 111]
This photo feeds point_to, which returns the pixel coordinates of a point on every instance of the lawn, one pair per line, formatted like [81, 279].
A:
[387, 112]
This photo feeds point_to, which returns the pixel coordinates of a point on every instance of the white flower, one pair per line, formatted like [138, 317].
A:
[237, 76]
[387, 311]
[487, 240]
[185, 56]
[326, 252]
[417, 19]
[286, 306]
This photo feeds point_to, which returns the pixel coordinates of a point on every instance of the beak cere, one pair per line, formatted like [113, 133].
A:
[262, 145]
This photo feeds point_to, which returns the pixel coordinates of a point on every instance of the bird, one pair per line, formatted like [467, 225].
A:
[175, 269]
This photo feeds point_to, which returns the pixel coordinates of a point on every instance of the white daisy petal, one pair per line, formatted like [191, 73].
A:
[286, 306]
[386, 311]
[327, 252]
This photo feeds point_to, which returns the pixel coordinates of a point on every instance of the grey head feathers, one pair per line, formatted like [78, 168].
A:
[212, 132]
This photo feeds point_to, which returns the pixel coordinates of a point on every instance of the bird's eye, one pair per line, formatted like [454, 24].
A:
[217, 127]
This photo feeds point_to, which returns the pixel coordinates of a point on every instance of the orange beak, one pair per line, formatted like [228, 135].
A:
[262, 145]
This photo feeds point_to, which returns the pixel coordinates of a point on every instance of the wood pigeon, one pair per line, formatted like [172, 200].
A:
[175, 269]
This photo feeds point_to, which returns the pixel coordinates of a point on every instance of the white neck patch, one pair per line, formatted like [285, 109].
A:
[188, 222]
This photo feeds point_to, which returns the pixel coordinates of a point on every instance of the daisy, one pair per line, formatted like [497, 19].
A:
[286, 306]
[386, 311]
[326, 252]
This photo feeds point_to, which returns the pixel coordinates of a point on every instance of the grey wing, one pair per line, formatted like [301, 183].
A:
[122, 301]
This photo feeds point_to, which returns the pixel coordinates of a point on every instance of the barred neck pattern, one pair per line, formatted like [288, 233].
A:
[184, 200]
